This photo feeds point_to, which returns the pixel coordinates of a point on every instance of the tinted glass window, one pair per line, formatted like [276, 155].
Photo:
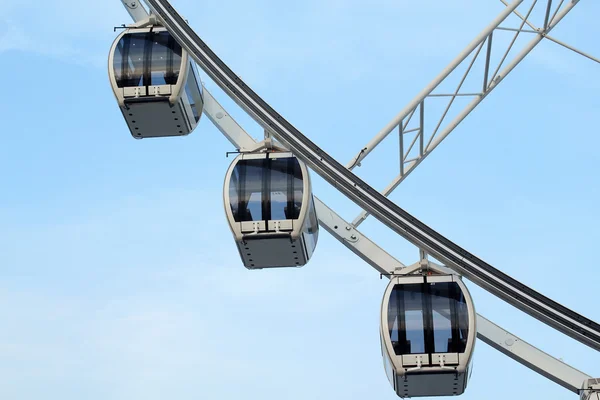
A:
[394, 317]
[193, 92]
[405, 319]
[413, 319]
[442, 318]
[255, 205]
[285, 189]
[128, 60]
[193, 105]
[234, 194]
[144, 59]
[245, 190]
[310, 230]
[414, 307]
[313, 221]
[165, 59]
[266, 189]
[463, 318]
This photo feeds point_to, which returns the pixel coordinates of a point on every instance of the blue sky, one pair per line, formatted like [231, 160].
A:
[120, 278]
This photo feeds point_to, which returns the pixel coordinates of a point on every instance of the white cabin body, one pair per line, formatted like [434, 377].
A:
[155, 83]
[270, 208]
[427, 334]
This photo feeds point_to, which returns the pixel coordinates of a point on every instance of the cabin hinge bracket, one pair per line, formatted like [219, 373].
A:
[591, 389]
[145, 23]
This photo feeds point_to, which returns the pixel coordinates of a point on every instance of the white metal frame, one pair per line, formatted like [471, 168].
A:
[366, 249]
[421, 131]
[354, 188]
[490, 333]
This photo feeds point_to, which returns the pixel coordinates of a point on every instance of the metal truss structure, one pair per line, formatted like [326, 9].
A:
[412, 152]
[421, 131]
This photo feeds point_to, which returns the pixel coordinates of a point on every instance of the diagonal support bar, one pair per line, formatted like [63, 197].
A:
[518, 32]
[344, 232]
[488, 332]
[434, 84]
[136, 10]
[573, 49]
[552, 39]
[329, 219]
[530, 356]
[498, 76]
[547, 18]
[384, 263]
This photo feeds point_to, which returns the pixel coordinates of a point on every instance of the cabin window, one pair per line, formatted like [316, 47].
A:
[428, 318]
[266, 189]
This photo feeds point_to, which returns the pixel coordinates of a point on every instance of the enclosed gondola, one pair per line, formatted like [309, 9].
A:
[270, 209]
[155, 83]
[427, 334]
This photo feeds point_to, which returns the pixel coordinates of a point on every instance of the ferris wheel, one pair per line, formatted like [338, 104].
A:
[428, 325]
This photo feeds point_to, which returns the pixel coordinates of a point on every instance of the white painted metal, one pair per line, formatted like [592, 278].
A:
[490, 333]
[591, 390]
[545, 33]
[533, 358]
[135, 9]
[409, 161]
[586, 55]
[342, 230]
[383, 262]
[434, 84]
[398, 220]
[226, 124]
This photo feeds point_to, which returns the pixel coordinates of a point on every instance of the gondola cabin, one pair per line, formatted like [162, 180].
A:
[155, 83]
[427, 334]
[270, 209]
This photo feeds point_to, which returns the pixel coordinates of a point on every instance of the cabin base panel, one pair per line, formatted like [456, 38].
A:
[433, 384]
[155, 119]
[272, 253]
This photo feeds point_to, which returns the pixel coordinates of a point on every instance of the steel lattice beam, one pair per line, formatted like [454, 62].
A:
[432, 128]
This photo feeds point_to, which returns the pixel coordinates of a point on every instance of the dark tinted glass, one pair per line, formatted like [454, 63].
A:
[442, 318]
[405, 319]
[144, 59]
[128, 61]
[193, 92]
[413, 315]
[312, 227]
[414, 308]
[266, 189]
[165, 59]
[286, 188]
[463, 318]
[245, 190]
